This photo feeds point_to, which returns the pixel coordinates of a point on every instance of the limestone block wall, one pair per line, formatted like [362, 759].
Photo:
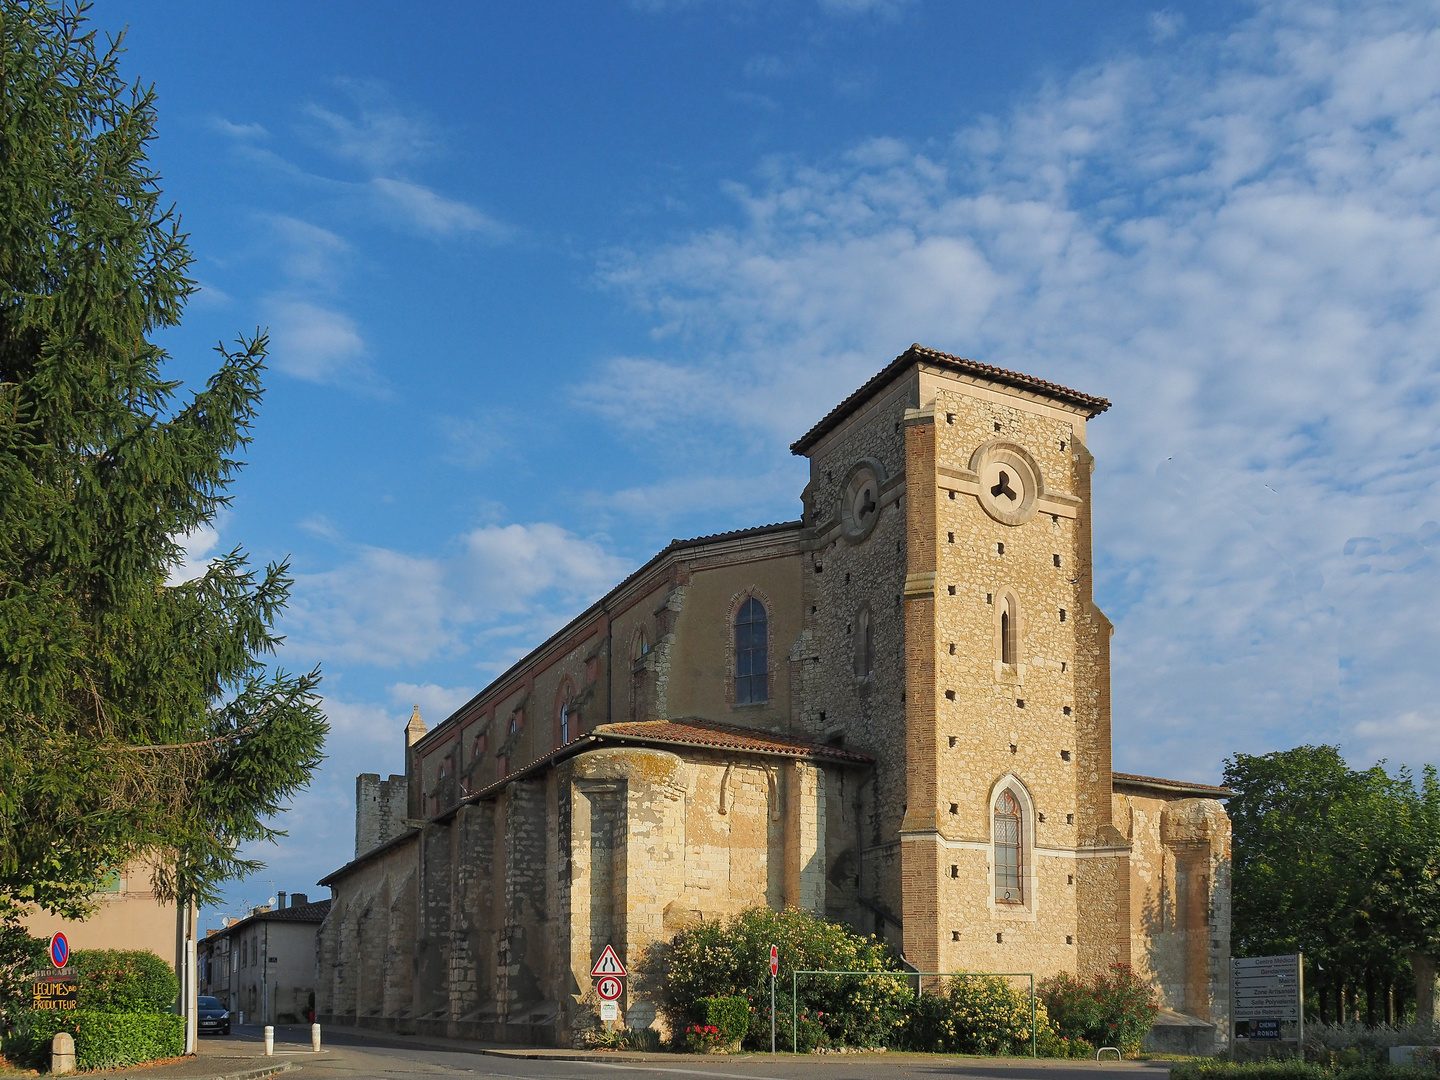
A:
[848, 581]
[379, 810]
[1180, 899]
[365, 947]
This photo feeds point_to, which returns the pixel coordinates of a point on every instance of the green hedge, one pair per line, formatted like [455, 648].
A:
[112, 980]
[102, 1039]
[728, 1012]
[1293, 1069]
[731, 957]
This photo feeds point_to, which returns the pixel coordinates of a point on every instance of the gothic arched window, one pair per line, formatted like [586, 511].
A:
[752, 663]
[1009, 630]
[1008, 849]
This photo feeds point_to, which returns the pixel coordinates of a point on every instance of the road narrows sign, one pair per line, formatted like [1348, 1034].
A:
[608, 964]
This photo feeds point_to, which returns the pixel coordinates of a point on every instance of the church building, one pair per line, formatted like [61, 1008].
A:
[894, 712]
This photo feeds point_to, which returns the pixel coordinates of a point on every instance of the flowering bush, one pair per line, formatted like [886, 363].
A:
[731, 958]
[1117, 1010]
[980, 1014]
[702, 1038]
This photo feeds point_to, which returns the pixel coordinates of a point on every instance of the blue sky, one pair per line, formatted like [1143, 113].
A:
[550, 284]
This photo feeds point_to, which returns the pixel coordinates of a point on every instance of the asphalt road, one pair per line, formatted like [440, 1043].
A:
[346, 1055]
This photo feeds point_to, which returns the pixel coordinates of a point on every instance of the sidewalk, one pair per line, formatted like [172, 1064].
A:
[234, 1057]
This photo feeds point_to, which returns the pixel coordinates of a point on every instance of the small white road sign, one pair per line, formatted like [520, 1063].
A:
[609, 1011]
[608, 964]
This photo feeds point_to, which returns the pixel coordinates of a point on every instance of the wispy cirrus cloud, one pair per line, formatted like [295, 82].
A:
[1237, 239]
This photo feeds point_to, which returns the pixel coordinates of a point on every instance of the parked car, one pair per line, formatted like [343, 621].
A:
[212, 1017]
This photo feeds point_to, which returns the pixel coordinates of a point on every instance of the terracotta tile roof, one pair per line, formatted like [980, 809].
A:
[1092, 405]
[726, 737]
[313, 912]
[1213, 791]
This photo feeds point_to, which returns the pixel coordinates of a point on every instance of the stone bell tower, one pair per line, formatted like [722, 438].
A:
[982, 687]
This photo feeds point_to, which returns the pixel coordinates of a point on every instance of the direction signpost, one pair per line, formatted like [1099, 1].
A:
[608, 973]
[59, 991]
[1266, 992]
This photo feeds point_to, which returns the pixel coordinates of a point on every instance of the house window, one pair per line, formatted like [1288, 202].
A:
[752, 666]
[1007, 849]
[864, 644]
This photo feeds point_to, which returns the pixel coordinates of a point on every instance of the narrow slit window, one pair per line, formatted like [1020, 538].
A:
[1007, 849]
[752, 662]
[1008, 632]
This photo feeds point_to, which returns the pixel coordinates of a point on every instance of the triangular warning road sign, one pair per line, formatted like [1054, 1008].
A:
[608, 964]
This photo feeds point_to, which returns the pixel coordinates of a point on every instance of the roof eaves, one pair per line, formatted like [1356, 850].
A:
[602, 605]
[918, 353]
[1183, 787]
[375, 852]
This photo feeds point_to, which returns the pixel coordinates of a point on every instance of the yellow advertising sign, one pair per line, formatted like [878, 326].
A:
[56, 996]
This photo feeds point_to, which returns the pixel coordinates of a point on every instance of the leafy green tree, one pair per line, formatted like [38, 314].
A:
[137, 715]
[1339, 864]
[1390, 834]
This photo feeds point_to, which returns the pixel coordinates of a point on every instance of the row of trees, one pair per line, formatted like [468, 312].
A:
[137, 716]
[1343, 865]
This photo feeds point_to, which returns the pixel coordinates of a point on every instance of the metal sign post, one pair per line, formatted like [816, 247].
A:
[774, 971]
[608, 971]
[1266, 992]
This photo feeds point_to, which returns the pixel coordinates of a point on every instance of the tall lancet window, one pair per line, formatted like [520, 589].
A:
[752, 663]
[1009, 631]
[1007, 850]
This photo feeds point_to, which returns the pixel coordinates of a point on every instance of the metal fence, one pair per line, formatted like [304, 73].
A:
[917, 976]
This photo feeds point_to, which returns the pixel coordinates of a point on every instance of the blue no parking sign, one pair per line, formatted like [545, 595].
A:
[59, 950]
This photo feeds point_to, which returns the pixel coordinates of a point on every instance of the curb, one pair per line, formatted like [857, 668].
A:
[259, 1073]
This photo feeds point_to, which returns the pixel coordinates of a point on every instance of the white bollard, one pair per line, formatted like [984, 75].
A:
[269, 1040]
[240, 1022]
[315, 1038]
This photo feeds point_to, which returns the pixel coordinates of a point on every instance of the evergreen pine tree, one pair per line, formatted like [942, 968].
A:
[137, 717]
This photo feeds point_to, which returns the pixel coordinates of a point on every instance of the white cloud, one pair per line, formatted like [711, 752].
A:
[316, 344]
[1239, 243]
[197, 546]
[386, 607]
[885, 9]
[431, 213]
[310, 255]
[377, 134]
[238, 131]
[436, 703]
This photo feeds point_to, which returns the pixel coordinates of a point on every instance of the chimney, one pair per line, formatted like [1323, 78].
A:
[282, 901]
[298, 899]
